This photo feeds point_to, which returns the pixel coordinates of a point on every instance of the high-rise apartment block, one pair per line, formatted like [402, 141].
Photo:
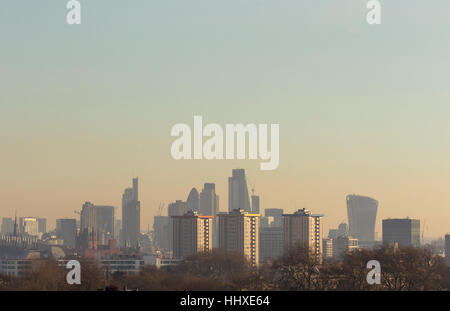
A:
[239, 232]
[192, 234]
[303, 229]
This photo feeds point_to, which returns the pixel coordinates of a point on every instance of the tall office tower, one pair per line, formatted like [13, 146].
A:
[42, 225]
[192, 201]
[209, 200]
[255, 204]
[191, 234]
[447, 247]
[327, 247]
[209, 206]
[238, 232]
[131, 216]
[405, 232]
[161, 232]
[343, 244]
[362, 214]
[270, 243]
[237, 192]
[30, 226]
[66, 230]
[303, 229]
[7, 226]
[88, 217]
[105, 223]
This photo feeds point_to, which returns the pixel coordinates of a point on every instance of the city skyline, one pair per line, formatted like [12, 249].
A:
[132, 193]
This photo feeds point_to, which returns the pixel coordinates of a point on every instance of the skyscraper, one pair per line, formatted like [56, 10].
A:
[66, 230]
[131, 215]
[105, 223]
[255, 204]
[192, 234]
[192, 201]
[42, 225]
[209, 206]
[405, 232]
[30, 226]
[237, 192]
[271, 234]
[7, 226]
[239, 232]
[362, 214]
[303, 229]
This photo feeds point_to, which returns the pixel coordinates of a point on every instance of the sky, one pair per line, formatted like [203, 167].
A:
[362, 109]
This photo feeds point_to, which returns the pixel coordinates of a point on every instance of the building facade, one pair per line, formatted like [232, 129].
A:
[362, 214]
[238, 197]
[405, 232]
[303, 229]
[239, 232]
[192, 234]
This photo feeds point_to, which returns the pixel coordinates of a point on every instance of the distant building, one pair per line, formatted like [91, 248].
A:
[192, 234]
[271, 234]
[131, 215]
[303, 228]
[342, 230]
[66, 230]
[447, 247]
[255, 204]
[177, 208]
[7, 226]
[274, 217]
[343, 244]
[238, 232]
[362, 214]
[327, 248]
[30, 226]
[161, 232]
[209, 206]
[42, 225]
[193, 200]
[270, 243]
[238, 197]
[105, 223]
[405, 232]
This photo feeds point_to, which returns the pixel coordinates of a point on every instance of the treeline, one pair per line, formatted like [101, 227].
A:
[402, 269]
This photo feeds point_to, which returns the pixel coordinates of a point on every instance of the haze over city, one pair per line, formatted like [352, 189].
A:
[364, 111]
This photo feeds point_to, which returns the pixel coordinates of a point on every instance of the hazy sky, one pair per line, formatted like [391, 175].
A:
[362, 109]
